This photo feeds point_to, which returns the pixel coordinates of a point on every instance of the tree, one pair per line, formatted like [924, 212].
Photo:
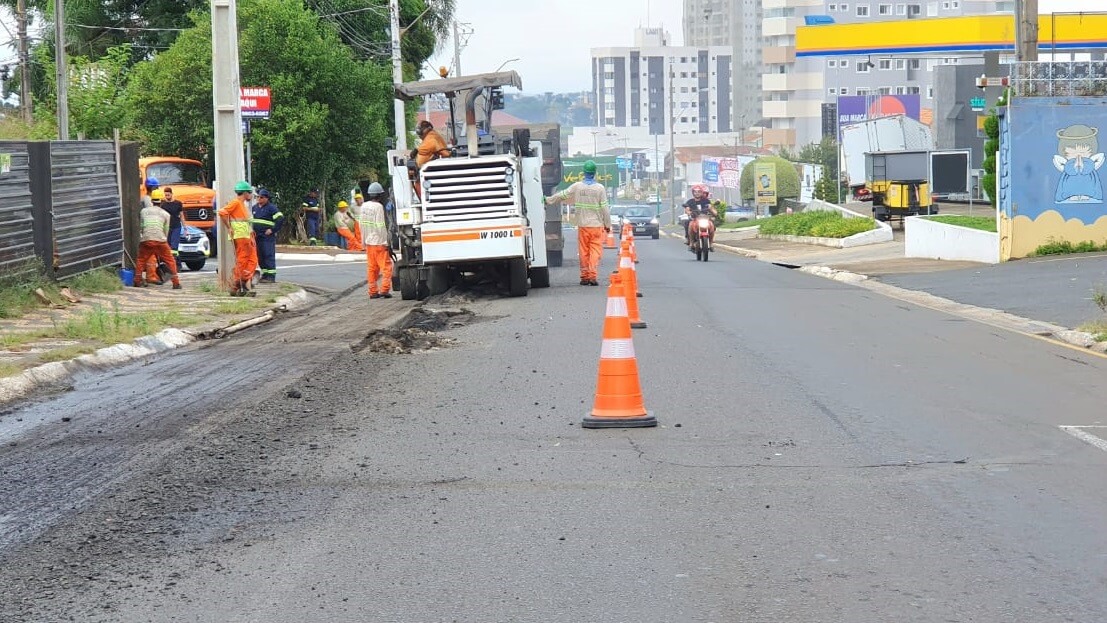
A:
[330, 115]
[991, 146]
[824, 153]
[787, 180]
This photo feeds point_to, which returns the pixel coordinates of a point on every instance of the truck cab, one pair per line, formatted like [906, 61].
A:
[478, 212]
[190, 186]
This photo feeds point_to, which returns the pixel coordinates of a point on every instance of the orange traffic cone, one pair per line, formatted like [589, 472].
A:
[618, 392]
[629, 250]
[625, 277]
[609, 242]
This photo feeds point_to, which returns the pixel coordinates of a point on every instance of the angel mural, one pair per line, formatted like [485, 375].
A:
[1078, 159]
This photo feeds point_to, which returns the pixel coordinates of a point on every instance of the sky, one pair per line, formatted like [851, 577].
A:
[553, 38]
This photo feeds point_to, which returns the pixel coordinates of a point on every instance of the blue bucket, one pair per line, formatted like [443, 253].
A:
[127, 276]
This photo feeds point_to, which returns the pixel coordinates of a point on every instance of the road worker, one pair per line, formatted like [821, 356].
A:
[153, 247]
[344, 224]
[359, 200]
[313, 215]
[432, 145]
[235, 217]
[378, 250]
[593, 220]
[267, 222]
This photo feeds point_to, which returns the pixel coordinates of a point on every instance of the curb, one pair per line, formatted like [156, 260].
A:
[23, 384]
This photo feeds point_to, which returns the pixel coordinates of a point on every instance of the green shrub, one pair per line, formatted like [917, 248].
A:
[819, 224]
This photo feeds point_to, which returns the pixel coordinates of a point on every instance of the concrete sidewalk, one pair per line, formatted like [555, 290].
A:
[317, 254]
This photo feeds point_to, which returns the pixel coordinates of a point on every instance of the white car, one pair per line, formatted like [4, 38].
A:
[617, 216]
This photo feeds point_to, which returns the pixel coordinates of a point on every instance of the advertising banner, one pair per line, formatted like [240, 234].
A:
[858, 108]
[764, 182]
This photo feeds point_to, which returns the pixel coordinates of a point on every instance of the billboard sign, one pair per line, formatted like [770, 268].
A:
[724, 172]
[572, 171]
[710, 169]
[255, 102]
[857, 108]
[764, 182]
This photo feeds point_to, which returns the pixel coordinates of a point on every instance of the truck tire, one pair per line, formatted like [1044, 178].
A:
[517, 276]
[540, 277]
[554, 258]
[438, 280]
[409, 281]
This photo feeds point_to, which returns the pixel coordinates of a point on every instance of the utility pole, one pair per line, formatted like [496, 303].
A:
[457, 49]
[398, 76]
[24, 63]
[229, 168]
[61, 70]
[1026, 30]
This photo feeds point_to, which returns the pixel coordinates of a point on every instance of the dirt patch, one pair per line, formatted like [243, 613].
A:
[417, 332]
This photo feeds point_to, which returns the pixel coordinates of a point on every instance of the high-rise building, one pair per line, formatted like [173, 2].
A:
[652, 83]
[735, 24]
[795, 88]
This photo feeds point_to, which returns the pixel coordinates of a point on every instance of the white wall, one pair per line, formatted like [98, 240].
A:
[939, 241]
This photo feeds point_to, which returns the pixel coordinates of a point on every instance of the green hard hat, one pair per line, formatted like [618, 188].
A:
[589, 167]
[243, 187]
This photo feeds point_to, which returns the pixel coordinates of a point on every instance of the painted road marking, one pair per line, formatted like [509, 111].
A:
[1076, 431]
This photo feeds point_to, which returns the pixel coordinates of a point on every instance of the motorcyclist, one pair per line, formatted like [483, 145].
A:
[700, 203]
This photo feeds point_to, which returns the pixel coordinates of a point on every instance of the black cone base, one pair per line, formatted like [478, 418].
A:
[645, 421]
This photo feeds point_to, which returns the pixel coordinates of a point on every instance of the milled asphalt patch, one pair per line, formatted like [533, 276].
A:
[992, 317]
[54, 373]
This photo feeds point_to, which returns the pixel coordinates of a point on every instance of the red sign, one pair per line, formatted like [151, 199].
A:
[254, 102]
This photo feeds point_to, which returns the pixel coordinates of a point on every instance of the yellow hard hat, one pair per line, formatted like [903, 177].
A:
[342, 205]
[157, 195]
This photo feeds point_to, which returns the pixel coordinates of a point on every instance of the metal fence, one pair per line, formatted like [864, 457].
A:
[17, 238]
[1059, 79]
[60, 203]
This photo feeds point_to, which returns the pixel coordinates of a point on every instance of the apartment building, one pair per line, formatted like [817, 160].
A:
[652, 82]
[735, 24]
[795, 89]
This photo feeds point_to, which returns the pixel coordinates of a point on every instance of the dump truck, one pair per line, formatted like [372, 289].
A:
[549, 135]
[886, 134]
[478, 212]
[190, 186]
[898, 182]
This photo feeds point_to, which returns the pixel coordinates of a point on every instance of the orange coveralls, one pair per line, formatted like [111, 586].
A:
[236, 216]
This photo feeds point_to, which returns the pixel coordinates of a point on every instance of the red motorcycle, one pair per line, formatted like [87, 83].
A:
[701, 236]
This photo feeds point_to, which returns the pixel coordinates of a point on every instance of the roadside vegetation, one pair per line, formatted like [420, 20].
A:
[983, 223]
[1064, 247]
[818, 224]
[1098, 328]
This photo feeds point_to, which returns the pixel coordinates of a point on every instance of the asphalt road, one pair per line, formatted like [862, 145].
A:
[825, 454]
[1051, 289]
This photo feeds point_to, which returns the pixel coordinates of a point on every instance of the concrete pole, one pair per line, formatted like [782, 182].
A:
[229, 167]
[398, 76]
[1026, 30]
[24, 63]
[61, 70]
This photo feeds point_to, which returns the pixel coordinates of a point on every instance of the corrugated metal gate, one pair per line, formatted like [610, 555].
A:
[61, 203]
[84, 192]
[17, 238]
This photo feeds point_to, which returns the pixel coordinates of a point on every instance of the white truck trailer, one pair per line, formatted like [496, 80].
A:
[886, 134]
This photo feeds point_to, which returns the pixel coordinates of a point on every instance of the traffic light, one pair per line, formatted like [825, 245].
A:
[497, 98]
